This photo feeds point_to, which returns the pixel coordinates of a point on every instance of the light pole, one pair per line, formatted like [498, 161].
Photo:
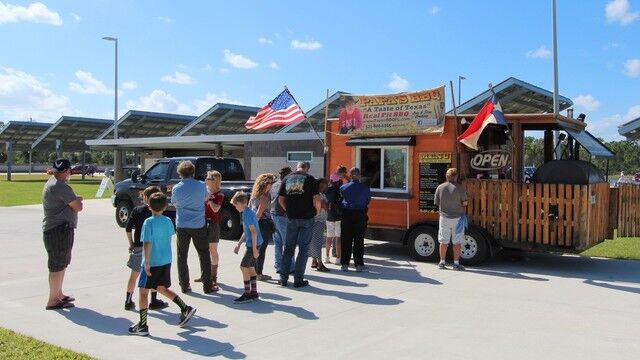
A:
[460, 78]
[117, 156]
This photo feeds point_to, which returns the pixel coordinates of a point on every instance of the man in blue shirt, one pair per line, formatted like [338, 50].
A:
[355, 202]
[189, 197]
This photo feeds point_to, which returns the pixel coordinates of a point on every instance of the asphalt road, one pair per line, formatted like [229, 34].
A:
[533, 307]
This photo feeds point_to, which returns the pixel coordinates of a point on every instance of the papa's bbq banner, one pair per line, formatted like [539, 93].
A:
[414, 113]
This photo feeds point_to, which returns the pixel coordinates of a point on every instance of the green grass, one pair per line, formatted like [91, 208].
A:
[26, 189]
[16, 346]
[620, 248]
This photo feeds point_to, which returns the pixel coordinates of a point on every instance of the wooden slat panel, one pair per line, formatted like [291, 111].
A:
[538, 209]
[553, 234]
[569, 206]
[584, 217]
[544, 212]
[561, 215]
[531, 226]
[524, 207]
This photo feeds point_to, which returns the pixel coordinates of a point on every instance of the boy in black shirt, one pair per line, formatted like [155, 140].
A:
[137, 218]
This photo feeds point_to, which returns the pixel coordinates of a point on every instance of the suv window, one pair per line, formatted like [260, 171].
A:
[204, 165]
[158, 171]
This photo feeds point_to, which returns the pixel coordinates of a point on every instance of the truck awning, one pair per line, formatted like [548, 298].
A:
[589, 142]
[407, 140]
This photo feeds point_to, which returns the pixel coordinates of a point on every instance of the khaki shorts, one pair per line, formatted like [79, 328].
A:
[333, 229]
[447, 230]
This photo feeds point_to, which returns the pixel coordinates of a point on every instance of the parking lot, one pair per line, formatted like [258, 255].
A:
[531, 307]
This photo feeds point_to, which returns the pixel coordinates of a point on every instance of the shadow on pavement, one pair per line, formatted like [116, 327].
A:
[200, 345]
[197, 320]
[98, 322]
[635, 290]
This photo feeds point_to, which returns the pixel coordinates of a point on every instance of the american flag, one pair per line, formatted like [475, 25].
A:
[283, 110]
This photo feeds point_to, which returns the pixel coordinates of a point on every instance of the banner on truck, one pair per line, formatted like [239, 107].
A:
[414, 113]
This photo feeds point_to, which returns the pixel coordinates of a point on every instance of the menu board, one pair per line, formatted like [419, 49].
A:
[433, 167]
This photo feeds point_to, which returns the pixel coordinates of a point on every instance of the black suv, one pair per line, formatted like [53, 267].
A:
[128, 193]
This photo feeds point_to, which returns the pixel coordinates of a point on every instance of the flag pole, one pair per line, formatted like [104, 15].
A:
[325, 149]
[513, 143]
[456, 130]
[305, 116]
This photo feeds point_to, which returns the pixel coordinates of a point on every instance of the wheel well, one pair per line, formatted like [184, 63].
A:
[123, 197]
[405, 238]
[492, 244]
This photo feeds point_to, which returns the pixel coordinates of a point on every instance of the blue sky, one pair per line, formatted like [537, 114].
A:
[183, 57]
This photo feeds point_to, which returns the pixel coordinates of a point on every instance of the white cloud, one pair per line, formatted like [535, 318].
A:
[539, 53]
[207, 67]
[160, 101]
[274, 66]
[238, 61]
[23, 96]
[165, 19]
[129, 85]
[89, 85]
[619, 11]
[202, 105]
[306, 45]
[179, 78]
[632, 67]
[607, 128]
[36, 12]
[632, 113]
[586, 102]
[434, 10]
[264, 40]
[76, 17]
[397, 83]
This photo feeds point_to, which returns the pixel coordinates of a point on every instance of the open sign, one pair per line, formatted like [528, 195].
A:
[491, 160]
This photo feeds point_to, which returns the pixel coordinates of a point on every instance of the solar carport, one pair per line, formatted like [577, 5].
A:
[630, 130]
[141, 124]
[18, 136]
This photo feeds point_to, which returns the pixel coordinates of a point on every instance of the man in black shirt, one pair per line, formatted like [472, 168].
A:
[300, 199]
[136, 220]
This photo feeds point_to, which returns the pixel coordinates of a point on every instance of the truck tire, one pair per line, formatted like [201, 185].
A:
[423, 243]
[230, 226]
[475, 247]
[123, 211]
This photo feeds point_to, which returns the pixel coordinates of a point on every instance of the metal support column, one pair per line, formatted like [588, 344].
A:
[9, 148]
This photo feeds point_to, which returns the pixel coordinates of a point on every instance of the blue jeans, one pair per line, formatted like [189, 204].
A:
[279, 238]
[298, 234]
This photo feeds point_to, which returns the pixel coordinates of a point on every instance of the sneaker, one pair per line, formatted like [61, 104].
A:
[139, 330]
[244, 298]
[158, 304]
[186, 289]
[129, 305]
[198, 280]
[283, 283]
[254, 295]
[361, 268]
[300, 284]
[327, 260]
[186, 315]
[458, 267]
[262, 277]
[323, 269]
[441, 266]
[337, 262]
[344, 267]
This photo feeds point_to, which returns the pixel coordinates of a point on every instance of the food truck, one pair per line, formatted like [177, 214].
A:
[404, 143]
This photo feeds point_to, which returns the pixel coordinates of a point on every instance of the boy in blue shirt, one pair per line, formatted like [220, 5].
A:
[252, 239]
[156, 264]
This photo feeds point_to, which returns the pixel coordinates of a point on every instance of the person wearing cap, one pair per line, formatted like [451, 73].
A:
[355, 202]
[300, 199]
[280, 220]
[61, 207]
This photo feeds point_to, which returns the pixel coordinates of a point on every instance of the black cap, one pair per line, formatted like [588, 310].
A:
[61, 165]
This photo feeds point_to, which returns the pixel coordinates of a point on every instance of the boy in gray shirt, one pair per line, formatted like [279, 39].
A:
[451, 198]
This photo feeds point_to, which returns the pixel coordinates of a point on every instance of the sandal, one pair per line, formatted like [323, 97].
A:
[60, 305]
[323, 269]
[68, 298]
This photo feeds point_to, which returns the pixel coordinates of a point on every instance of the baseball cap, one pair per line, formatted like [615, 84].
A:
[61, 165]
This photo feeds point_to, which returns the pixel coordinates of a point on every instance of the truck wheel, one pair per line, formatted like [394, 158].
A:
[423, 243]
[123, 211]
[474, 248]
[230, 227]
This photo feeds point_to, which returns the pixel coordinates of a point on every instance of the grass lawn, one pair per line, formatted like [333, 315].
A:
[620, 248]
[24, 189]
[16, 346]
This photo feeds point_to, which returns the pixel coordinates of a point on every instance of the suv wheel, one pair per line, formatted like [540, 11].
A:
[230, 226]
[123, 211]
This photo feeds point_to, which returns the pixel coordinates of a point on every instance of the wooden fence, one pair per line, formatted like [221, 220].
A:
[628, 210]
[549, 215]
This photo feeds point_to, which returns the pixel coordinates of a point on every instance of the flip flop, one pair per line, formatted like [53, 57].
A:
[68, 298]
[60, 305]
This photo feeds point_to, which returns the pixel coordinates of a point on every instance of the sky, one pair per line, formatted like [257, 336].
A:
[184, 57]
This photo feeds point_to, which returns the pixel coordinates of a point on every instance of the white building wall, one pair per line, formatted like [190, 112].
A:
[260, 165]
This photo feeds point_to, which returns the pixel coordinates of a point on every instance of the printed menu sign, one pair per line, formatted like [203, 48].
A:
[433, 167]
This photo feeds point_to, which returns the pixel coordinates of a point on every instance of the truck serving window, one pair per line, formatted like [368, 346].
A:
[384, 167]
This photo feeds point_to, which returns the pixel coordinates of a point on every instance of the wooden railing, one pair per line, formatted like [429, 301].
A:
[553, 215]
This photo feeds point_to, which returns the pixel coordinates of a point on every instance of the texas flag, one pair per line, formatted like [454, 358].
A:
[491, 113]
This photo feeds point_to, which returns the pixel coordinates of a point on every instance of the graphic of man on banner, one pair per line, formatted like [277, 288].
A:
[350, 116]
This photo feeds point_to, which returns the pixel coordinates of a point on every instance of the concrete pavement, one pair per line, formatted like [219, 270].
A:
[545, 306]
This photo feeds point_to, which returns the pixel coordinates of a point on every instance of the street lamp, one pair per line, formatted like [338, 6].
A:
[460, 78]
[117, 157]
